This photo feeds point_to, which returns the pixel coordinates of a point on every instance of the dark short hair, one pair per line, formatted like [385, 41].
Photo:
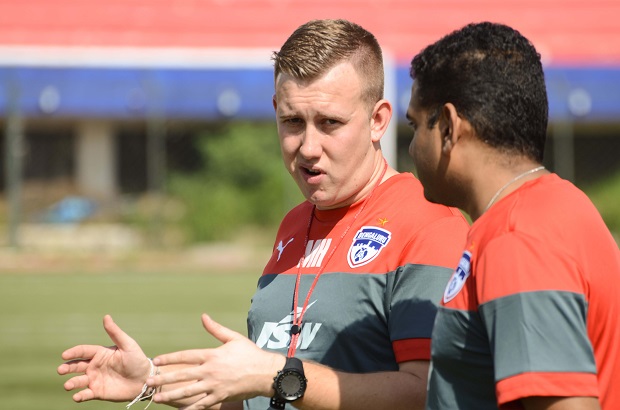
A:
[319, 45]
[494, 77]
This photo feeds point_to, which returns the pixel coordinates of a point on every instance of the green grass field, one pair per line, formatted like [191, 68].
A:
[43, 314]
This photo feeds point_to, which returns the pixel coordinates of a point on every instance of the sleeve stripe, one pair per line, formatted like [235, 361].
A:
[547, 384]
[412, 349]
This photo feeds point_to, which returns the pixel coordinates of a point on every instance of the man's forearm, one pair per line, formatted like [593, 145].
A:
[329, 389]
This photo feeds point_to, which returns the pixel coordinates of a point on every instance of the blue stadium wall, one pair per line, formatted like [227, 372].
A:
[591, 94]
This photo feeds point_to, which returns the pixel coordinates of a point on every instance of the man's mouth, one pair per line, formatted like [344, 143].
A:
[311, 172]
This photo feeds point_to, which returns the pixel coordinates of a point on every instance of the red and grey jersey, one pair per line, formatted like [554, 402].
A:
[533, 308]
[376, 299]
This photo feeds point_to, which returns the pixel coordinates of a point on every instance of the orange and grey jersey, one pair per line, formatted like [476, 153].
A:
[381, 280]
[533, 308]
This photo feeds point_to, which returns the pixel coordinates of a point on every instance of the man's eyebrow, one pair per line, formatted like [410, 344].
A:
[286, 114]
[286, 118]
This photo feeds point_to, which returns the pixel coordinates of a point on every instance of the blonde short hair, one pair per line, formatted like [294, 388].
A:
[319, 45]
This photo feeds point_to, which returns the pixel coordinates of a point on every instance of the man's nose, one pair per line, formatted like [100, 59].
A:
[311, 143]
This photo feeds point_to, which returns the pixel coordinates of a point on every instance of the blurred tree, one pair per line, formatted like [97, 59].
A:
[242, 183]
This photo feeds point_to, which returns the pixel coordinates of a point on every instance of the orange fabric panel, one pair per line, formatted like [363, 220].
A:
[546, 384]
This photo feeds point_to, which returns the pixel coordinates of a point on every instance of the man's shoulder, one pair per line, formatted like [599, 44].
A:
[299, 211]
[405, 187]
[406, 192]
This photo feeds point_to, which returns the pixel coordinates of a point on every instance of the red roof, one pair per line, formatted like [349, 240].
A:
[565, 31]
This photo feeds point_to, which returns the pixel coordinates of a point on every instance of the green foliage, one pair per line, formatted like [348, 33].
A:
[606, 197]
[241, 183]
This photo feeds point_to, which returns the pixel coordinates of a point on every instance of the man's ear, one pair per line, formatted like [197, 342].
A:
[274, 102]
[450, 127]
[380, 119]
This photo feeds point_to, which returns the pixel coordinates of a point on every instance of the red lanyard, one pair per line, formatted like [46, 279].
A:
[297, 320]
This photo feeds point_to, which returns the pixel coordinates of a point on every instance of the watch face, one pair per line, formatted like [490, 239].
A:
[291, 385]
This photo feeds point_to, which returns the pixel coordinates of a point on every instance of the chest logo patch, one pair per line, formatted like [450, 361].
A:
[368, 242]
[459, 277]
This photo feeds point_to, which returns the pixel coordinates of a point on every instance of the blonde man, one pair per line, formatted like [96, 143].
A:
[343, 312]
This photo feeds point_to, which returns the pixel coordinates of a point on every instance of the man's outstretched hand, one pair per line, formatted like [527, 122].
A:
[116, 373]
[234, 371]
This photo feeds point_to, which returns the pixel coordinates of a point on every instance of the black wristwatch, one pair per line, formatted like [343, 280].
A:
[290, 383]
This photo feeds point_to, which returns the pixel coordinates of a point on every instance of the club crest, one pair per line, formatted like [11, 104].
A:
[367, 244]
[459, 277]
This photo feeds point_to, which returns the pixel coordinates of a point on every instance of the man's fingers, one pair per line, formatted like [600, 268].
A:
[221, 333]
[84, 395]
[184, 375]
[81, 352]
[203, 403]
[193, 390]
[74, 366]
[196, 356]
[77, 382]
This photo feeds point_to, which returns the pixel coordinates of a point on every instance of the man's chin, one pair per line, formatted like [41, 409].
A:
[322, 203]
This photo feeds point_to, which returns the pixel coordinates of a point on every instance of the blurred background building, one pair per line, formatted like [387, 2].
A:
[101, 101]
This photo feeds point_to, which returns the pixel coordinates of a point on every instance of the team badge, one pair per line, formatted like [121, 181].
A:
[459, 277]
[367, 244]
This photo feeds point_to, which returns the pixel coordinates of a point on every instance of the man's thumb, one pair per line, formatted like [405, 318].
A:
[221, 333]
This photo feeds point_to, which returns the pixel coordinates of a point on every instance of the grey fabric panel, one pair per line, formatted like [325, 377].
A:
[416, 291]
[353, 318]
[542, 331]
[259, 403]
[462, 367]
[346, 319]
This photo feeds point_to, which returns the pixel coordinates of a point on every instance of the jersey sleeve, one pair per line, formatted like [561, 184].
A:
[533, 303]
[429, 260]
[416, 293]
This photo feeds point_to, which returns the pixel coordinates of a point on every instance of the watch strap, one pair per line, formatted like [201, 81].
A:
[275, 404]
[294, 363]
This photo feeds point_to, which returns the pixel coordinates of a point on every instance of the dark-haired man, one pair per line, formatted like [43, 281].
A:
[531, 316]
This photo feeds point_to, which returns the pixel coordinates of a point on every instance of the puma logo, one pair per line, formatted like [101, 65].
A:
[281, 247]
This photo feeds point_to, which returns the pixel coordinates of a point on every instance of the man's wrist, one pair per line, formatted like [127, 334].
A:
[146, 392]
[276, 365]
[289, 383]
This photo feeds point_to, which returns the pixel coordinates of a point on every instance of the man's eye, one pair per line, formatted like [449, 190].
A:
[412, 126]
[293, 121]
